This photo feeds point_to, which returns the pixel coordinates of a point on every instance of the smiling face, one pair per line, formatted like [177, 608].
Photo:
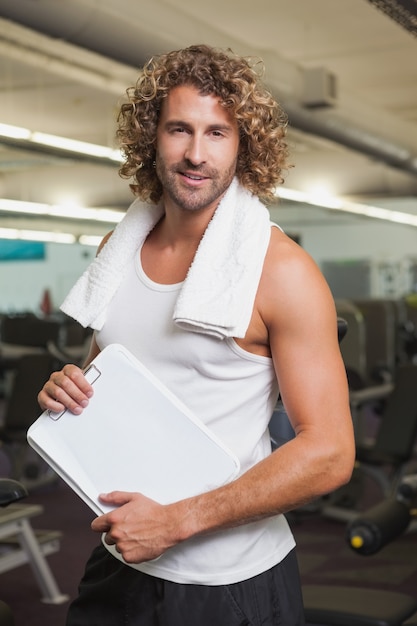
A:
[197, 147]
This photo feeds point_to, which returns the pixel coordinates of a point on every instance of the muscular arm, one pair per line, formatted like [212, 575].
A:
[295, 306]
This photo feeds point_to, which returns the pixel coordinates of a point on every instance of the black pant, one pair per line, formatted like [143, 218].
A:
[114, 594]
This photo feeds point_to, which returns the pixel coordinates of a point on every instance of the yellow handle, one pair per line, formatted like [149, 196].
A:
[356, 541]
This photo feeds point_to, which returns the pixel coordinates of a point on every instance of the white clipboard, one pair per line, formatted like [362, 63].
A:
[135, 435]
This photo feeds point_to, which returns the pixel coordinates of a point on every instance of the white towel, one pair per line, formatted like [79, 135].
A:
[219, 291]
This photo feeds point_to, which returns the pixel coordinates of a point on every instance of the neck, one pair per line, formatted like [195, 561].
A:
[181, 226]
[171, 246]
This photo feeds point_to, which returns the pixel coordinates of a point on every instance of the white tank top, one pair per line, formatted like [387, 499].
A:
[233, 392]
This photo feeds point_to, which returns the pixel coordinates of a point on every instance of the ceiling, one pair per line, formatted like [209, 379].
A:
[64, 68]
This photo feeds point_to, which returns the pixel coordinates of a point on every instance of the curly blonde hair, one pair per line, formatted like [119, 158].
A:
[236, 81]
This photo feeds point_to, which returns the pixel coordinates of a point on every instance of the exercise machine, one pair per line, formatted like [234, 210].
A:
[366, 535]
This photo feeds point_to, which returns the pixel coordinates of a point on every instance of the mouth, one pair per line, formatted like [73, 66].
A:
[192, 176]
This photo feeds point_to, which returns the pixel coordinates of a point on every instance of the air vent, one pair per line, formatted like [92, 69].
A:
[320, 88]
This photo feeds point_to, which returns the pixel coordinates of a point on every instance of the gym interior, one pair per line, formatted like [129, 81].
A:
[345, 73]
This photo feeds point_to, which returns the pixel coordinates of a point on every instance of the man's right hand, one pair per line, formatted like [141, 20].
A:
[66, 389]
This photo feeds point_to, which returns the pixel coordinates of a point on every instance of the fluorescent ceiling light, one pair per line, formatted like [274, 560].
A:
[62, 143]
[39, 235]
[337, 204]
[90, 240]
[75, 213]
[73, 145]
[14, 132]
[36, 235]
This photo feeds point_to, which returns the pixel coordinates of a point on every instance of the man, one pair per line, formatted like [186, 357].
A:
[203, 140]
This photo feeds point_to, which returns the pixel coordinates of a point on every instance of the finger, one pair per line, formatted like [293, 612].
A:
[67, 388]
[55, 398]
[118, 498]
[46, 402]
[72, 378]
[109, 541]
[100, 524]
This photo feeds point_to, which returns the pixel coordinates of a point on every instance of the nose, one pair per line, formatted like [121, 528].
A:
[195, 152]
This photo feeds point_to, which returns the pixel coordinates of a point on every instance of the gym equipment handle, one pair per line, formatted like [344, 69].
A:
[368, 533]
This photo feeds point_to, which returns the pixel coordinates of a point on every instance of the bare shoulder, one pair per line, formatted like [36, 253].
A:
[286, 262]
[292, 299]
[104, 241]
[292, 283]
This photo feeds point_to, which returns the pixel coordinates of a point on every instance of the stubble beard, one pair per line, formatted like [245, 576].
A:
[189, 199]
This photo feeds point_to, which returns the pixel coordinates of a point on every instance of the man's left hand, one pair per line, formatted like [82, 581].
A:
[140, 528]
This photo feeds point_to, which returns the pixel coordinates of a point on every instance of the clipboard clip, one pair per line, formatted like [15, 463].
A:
[91, 373]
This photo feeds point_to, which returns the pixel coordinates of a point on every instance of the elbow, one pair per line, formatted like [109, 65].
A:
[344, 475]
[339, 456]
[340, 467]
[333, 460]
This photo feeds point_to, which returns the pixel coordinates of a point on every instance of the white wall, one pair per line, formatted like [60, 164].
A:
[385, 245]
[22, 283]
[374, 239]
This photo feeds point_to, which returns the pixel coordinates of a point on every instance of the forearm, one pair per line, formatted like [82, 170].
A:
[296, 473]
[299, 471]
